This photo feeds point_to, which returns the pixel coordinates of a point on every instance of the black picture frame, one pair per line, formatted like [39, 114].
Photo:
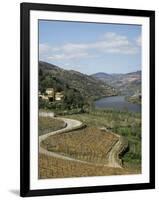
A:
[25, 9]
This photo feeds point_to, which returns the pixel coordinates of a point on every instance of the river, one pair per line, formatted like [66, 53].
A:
[117, 103]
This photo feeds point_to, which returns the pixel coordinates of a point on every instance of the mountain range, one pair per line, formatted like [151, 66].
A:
[89, 87]
[126, 84]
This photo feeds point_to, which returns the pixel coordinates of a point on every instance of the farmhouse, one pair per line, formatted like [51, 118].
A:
[59, 96]
[50, 91]
[44, 97]
[51, 95]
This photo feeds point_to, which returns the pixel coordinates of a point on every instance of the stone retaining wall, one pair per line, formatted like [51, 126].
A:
[46, 114]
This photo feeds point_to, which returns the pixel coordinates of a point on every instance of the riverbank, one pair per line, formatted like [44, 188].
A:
[134, 99]
[117, 103]
[105, 96]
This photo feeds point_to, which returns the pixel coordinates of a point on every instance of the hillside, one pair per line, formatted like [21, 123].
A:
[127, 84]
[90, 148]
[60, 79]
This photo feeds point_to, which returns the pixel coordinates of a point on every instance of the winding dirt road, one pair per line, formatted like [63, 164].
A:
[113, 160]
[71, 124]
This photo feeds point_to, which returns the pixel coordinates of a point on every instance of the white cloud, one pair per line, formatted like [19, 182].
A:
[138, 41]
[110, 43]
[44, 48]
[66, 56]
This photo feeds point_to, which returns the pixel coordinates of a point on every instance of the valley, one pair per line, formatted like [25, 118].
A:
[127, 84]
[109, 118]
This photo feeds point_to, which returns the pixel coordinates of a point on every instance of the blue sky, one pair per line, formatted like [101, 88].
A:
[90, 47]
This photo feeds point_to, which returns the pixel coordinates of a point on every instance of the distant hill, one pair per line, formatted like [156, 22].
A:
[126, 84]
[102, 76]
[89, 87]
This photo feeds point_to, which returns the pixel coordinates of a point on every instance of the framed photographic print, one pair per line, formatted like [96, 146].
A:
[87, 99]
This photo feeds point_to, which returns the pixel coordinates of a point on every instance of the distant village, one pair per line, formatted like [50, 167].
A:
[50, 95]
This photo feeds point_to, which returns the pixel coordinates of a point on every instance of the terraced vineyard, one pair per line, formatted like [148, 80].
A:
[48, 124]
[91, 151]
[88, 144]
[50, 167]
[127, 124]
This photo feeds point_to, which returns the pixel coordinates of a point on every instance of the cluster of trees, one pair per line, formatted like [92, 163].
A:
[47, 80]
[133, 134]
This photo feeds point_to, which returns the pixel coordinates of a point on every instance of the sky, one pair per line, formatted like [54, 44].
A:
[90, 47]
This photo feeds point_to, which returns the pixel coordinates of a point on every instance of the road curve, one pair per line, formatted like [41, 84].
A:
[71, 124]
[113, 155]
